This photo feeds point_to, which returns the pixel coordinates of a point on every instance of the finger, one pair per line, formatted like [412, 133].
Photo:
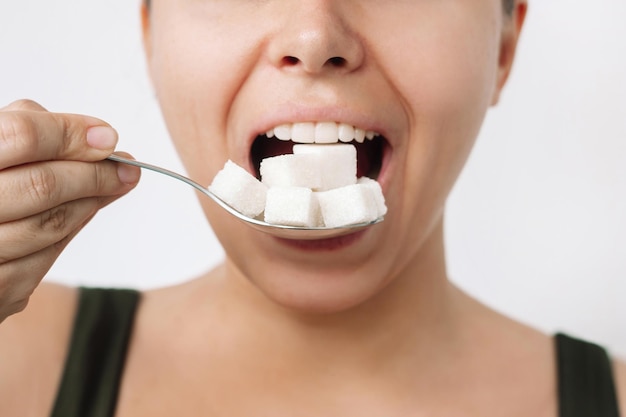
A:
[27, 190]
[31, 136]
[24, 104]
[23, 237]
[36, 264]
[21, 277]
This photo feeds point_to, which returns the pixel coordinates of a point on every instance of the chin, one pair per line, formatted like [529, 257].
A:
[313, 277]
[318, 289]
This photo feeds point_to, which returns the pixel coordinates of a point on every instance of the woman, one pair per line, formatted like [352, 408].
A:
[366, 324]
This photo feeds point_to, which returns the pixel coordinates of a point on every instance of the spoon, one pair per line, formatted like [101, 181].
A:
[287, 232]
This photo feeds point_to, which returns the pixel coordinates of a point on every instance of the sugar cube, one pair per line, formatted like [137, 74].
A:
[315, 186]
[239, 189]
[377, 193]
[347, 205]
[337, 163]
[292, 206]
[291, 171]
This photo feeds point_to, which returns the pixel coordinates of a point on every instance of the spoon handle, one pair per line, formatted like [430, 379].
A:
[189, 181]
[160, 170]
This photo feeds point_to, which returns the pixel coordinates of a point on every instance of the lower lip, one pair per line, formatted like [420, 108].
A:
[323, 245]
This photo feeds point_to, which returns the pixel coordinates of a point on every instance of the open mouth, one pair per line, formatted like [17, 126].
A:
[370, 146]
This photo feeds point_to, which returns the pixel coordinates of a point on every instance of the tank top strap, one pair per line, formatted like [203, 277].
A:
[97, 353]
[585, 376]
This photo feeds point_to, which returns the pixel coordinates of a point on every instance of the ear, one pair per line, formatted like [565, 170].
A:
[508, 44]
[145, 29]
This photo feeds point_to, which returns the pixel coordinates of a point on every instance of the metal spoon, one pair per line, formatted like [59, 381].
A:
[288, 232]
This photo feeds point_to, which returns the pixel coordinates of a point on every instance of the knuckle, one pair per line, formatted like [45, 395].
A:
[99, 178]
[55, 220]
[25, 104]
[102, 180]
[67, 135]
[18, 139]
[17, 133]
[42, 183]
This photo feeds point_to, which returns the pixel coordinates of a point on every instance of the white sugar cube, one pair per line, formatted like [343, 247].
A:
[292, 206]
[239, 189]
[291, 171]
[377, 193]
[337, 163]
[347, 205]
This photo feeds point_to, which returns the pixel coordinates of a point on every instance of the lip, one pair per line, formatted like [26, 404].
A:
[323, 245]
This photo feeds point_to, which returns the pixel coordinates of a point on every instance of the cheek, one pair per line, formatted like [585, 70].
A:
[452, 75]
[444, 61]
[195, 84]
[446, 85]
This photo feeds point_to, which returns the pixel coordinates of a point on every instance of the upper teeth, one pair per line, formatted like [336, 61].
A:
[320, 132]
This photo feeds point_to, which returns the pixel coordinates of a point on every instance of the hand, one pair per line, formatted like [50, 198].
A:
[53, 180]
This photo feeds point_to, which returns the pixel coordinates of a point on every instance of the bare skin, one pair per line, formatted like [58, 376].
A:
[373, 377]
[380, 330]
[199, 374]
[318, 369]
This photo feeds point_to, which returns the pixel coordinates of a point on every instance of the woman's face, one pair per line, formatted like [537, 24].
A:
[421, 73]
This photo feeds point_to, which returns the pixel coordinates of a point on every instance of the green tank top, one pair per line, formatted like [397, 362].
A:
[103, 326]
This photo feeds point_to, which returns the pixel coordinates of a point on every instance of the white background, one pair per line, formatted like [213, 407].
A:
[536, 225]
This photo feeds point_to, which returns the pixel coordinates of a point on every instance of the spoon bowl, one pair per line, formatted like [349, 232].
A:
[287, 232]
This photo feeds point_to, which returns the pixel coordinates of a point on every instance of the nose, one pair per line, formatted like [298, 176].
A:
[314, 38]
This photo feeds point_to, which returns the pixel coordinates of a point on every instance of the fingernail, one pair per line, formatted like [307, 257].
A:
[101, 137]
[127, 174]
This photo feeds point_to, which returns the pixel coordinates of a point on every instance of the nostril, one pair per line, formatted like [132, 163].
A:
[290, 60]
[337, 61]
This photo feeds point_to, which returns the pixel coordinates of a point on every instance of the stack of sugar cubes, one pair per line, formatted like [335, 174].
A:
[316, 186]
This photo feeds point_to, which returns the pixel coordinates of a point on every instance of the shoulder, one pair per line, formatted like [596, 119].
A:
[33, 345]
[43, 325]
[620, 380]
